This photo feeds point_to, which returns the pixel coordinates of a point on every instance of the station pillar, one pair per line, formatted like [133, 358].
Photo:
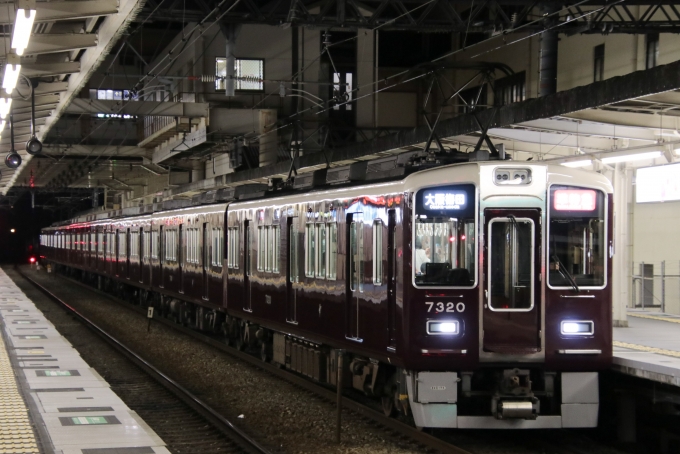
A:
[622, 244]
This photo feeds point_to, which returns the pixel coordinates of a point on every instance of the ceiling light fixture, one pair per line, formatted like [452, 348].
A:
[581, 163]
[34, 145]
[5, 106]
[12, 70]
[632, 157]
[12, 160]
[23, 25]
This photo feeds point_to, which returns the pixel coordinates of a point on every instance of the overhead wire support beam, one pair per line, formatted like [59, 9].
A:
[617, 89]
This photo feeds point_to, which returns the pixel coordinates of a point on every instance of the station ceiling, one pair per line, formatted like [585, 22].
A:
[72, 38]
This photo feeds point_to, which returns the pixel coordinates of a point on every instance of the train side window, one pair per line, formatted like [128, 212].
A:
[232, 247]
[146, 246]
[275, 241]
[267, 248]
[293, 254]
[217, 245]
[170, 241]
[122, 245]
[134, 245]
[332, 254]
[321, 251]
[377, 252]
[357, 255]
[261, 248]
[192, 246]
[310, 249]
[155, 239]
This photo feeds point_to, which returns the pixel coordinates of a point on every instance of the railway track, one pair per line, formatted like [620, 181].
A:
[425, 440]
[553, 445]
[182, 420]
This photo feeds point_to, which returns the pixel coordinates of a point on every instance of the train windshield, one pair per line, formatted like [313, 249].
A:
[576, 243]
[444, 248]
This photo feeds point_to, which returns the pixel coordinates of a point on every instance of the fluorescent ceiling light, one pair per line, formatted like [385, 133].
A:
[632, 157]
[5, 106]
[582, 163]
[9, 81]
[22, 29]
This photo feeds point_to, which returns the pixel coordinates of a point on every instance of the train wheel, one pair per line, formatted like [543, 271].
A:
[264, 352]
[388, 407]
[237, 335]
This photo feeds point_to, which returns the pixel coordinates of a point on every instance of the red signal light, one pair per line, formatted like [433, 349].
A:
[32, 260]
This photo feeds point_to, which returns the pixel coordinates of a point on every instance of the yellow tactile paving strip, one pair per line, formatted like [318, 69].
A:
[644, 348]
[16, 433]
[656, 317]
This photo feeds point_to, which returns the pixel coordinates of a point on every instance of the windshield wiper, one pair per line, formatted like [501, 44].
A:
[565, 273]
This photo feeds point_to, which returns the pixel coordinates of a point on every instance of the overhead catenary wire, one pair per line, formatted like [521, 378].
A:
[151, 74]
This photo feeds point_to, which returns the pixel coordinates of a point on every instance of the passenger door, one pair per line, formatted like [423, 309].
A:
[293, 270]
[180, 257]
[247, 234]
[511, 322]
[391, 278]
[205, 259]
[355, 274]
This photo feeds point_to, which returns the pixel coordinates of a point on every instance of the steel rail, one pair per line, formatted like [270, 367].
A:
[427, 440]
[200, 407]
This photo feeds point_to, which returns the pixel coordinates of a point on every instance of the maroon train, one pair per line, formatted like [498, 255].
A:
[473, 295]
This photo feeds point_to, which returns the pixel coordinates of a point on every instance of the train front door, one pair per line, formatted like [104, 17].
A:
[511, 322]
[355, 274]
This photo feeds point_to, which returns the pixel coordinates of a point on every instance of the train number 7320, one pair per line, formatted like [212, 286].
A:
[445, 307]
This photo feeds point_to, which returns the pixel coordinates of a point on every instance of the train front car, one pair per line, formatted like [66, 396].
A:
[507, 296]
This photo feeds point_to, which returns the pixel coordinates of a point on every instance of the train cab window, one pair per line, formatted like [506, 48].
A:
[444, 237]
[378, 228]
[576, 238]
[332, 254]
[232, 247]
[310, 249]
[510, 270]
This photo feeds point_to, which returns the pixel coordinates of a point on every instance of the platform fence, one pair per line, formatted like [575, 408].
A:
[656, 286]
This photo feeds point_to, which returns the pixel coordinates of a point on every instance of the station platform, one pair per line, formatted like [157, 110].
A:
[51, 401]
[649, 347]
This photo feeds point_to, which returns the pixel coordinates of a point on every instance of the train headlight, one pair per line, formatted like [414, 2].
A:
[443, 327]
[577, 328]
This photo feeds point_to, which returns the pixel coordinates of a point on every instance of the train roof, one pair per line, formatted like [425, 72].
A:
[462, 172]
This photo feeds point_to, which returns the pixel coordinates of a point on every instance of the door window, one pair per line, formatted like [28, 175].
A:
[511, 264]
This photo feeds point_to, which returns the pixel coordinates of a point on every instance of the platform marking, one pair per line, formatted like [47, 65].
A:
[655, 317]
[16, 433]
[644, 348]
